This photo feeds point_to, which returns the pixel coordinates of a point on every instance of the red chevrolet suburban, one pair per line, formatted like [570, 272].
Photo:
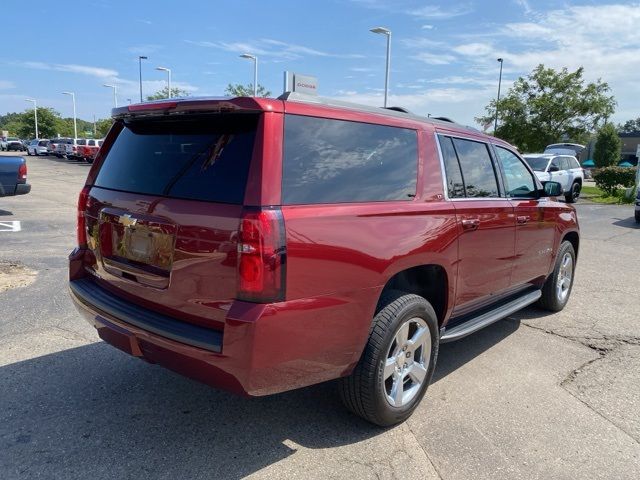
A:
[261, 245]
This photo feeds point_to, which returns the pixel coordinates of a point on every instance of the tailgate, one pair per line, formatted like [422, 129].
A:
[164, 211]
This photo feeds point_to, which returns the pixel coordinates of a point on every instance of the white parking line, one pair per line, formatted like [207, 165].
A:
[12, 226]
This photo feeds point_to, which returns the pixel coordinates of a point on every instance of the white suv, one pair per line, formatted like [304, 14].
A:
[563, 169]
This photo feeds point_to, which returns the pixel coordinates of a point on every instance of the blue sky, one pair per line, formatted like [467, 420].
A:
[443, 53]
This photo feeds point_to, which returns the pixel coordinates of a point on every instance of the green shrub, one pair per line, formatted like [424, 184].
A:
[609, 179]
[607, 147]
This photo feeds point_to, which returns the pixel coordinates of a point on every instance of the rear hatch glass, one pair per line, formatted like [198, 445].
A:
[201, 159]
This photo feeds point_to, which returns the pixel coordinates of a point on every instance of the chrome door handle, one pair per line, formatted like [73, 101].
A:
[470, 224]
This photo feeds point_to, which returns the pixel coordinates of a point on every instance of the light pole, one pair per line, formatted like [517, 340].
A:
[75, 123]
[255, 71]
[495, 123]
[115, 93]
[140, 58]
[168, 70]
[387, 32]
[35, 112]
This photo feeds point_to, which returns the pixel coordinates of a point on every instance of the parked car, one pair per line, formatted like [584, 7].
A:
[572, 149]
[60, 147]
[72, 147]
[38, 146]
[563, 169]
[12, 144]
[13, 176]
[88, 151]
[262, 245]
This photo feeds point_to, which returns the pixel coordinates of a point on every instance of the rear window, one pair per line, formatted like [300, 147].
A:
[539, 164]
[336, 161]
[201, 158]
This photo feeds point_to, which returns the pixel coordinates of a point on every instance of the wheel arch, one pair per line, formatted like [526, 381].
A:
[430, 281]
[574, 239]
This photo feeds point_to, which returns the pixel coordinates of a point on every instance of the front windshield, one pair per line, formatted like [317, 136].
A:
[539, 164]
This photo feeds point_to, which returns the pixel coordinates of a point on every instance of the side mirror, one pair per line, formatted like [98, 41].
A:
[554, 168]
[551, 189]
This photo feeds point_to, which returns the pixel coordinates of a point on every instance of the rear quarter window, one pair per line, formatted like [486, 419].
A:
[204, 158]
[337, 161]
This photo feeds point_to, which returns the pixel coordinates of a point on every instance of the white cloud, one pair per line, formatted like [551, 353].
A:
[435, 58]
[99, 72]
[272, 48]
[524, 4]
[6, 85]
[437, 12]
[427, 27]
[474, 49]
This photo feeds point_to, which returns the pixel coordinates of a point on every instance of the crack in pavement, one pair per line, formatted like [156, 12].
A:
[603, 351]
[435, 468]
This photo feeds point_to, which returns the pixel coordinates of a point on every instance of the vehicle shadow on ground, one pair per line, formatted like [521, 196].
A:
[627, 222]
[64, 160]
[93, 410]
[5, 213]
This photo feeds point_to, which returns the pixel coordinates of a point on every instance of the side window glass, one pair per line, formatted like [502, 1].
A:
[564, 163]
[477, 169]
[555, 163]
[518, 180]
[455, 185]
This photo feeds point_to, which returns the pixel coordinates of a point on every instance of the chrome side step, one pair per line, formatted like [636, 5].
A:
[492, 316]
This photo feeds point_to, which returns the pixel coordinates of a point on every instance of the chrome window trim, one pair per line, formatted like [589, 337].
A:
[444, 173]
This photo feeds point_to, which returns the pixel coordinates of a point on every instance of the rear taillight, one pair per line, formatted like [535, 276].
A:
[22, 171]
[83, 203]
[262, 255]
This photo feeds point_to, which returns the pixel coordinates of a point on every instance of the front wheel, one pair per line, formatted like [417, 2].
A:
[573, 194]
[557, 287]
[397, 364]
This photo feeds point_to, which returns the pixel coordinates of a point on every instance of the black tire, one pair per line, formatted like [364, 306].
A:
[574, 193]
[551, 299]
[28, 152]
[637, 216]
[363, 392]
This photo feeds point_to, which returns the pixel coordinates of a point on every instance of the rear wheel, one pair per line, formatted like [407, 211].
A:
[397, 364]
[557, 288]
[574, 193]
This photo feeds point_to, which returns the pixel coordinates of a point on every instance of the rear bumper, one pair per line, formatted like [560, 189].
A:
[23, 188]
[264, 349]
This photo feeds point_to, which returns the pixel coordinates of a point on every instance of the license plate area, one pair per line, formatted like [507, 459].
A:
[138, 248]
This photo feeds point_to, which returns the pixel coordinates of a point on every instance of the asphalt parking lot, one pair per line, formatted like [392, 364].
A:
[534, 396]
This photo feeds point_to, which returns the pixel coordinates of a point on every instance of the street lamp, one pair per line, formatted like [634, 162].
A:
[387, 32]
[115, 93]
[75, 123]
[495, 123]
[35, 112]
[140, 58]
[168, 70]
[255, 71]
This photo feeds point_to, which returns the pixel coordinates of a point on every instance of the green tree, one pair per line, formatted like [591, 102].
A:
[629, 126]
[164, 93]
[48, 120]
[239, 90]
[102, 126]
[608, 146]
[549, 106]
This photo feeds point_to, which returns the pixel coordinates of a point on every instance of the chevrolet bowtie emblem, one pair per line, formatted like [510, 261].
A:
[127, 220]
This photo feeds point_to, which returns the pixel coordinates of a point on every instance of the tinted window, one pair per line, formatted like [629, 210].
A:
[518, 180]
[199, 158]
[81, 141]
[538, 164]
[455, 185]
[477, 168]
[43, 143]
[91, 143]
[333, 161]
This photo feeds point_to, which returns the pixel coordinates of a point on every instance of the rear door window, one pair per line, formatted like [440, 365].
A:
[455, 184]
[337, 161]
[201, 158]
[477, 168]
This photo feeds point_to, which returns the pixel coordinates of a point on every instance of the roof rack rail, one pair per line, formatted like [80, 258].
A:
[393, 111]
